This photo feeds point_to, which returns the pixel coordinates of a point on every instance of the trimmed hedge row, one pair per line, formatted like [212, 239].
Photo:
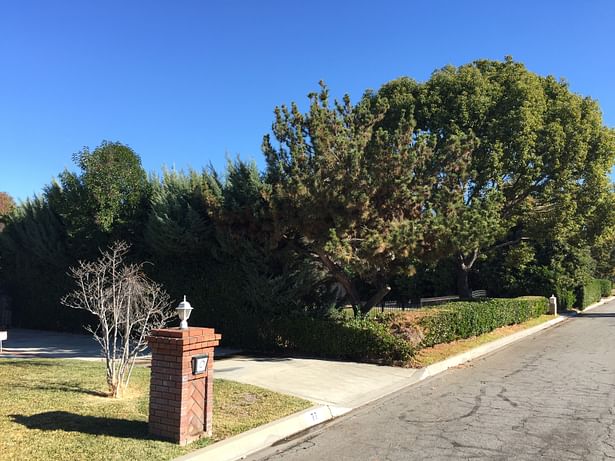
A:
[387, 339]
[592, 292]
[466, 319]
[606, 287]
[368, 340]
[566, 298]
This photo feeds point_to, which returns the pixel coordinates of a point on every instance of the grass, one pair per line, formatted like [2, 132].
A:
[57, 410]
[439, 352]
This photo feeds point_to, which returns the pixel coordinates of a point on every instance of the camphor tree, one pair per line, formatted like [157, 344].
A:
[127, 306]
[356, 197]
[538, 147]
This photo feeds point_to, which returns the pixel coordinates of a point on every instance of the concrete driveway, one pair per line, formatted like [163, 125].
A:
[326, 382]
[23, 343]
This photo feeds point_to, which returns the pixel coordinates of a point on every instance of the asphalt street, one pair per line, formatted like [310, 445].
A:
[550, 396]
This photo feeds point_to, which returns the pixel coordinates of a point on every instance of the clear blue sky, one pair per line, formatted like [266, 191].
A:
[186, 83]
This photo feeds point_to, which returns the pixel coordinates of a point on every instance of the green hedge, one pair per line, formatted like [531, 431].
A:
[366, 340]
[566, 298]
[355, 339]
[466, 319]
[375, 339]
[589, 294]
[606, 287]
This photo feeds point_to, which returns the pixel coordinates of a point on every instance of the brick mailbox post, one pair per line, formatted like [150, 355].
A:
[181, 386]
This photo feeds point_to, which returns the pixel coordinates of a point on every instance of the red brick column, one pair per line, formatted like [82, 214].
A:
[180, 402]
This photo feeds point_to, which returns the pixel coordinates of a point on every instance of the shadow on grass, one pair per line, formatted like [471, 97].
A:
[26, 363]
[65, 388]
[95, 425]
[73, 387]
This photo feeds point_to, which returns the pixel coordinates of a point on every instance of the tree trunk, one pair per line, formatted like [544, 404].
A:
[375, 299]
[463, 285]
[342, 278]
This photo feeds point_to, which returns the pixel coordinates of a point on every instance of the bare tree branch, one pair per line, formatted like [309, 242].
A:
[127, 304]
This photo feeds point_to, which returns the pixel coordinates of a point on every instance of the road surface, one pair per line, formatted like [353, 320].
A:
[550, 396]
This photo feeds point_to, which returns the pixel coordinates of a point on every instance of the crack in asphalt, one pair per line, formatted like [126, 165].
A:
[551, 397]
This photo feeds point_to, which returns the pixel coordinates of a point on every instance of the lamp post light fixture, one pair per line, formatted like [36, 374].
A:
[183, 312]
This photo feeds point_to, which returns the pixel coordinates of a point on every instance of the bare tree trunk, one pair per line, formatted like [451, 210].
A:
[375, 299]
[463, 285]
[343, 279]
[358, 307]
[128, 306]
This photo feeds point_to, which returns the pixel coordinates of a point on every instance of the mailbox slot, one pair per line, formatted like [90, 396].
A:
[199, 364]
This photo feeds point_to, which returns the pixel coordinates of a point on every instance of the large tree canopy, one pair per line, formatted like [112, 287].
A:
[542, 152]
[358, 197]
[486, 170]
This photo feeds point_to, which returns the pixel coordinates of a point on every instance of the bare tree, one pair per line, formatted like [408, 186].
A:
[127, 304]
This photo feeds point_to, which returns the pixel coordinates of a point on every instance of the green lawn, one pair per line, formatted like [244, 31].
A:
[57, 410]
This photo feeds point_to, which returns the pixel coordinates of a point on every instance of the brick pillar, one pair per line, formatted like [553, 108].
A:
[180, 402]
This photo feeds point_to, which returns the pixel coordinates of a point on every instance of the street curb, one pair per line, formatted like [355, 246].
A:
[256, 439]
[485, 349]
[265, 436]
[598, 304]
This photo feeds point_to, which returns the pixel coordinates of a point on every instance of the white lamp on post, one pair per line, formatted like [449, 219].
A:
[183, 312]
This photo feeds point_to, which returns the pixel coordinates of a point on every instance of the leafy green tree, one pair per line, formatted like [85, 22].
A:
[538, 146]
[357, 197]
[108, 195]
[601, 230]
[35, 257]
[115, 181]
[210, 237]
[106, 200]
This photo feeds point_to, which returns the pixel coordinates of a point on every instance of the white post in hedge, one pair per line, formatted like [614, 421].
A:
[553, 305]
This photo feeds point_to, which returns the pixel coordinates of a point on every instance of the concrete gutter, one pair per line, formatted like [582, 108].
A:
[265, 436]
[252, 441]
